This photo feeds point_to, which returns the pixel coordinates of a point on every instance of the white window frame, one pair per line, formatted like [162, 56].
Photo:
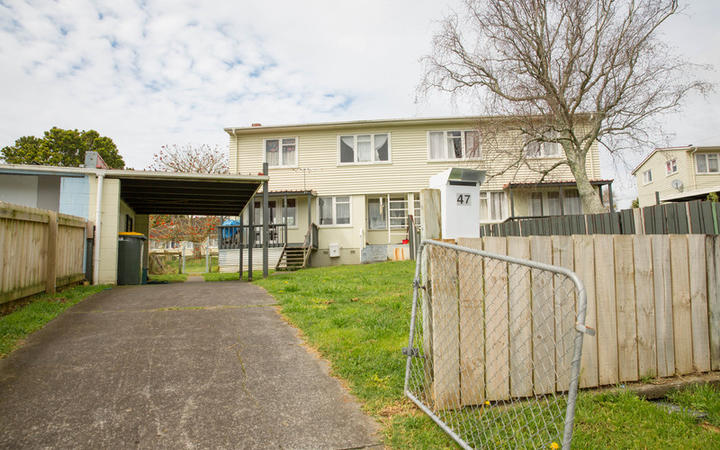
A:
[707, 163]
[280, 155]
[673, 169]
[543, 154]
[487, 197]
[372, 150]
[397, 198]
[334, 223]
[463, 146]
[647, 177]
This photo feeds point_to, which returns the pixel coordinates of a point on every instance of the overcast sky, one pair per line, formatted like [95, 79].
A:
[151, 73]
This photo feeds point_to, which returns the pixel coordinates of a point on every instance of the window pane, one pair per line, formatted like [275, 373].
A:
[552, 149]
[381, 147]
[436, 145]
[497, 205]
[288, 152]
[325, 208]
[712, 163]
[347, 149]
[472, 144]
[536, 204]
[701, 163]
[291, 212]
[272, 154]
[552, 206]
[454, 143]
[572, 202]
[418, 210]
[398, 212]
[532, 149]
[363, 148]
[484, 206]
[376, 214]
[342, 210]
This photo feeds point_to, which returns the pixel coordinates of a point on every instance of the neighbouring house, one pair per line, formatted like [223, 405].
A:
[359, 181]
[127, 198]
[676, 174]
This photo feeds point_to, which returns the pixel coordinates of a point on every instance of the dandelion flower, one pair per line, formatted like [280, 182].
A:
[554, 446]
[487, 403]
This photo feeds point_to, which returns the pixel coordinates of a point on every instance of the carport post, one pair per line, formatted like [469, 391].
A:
[251, 237]
[266, 219]
[240, 234]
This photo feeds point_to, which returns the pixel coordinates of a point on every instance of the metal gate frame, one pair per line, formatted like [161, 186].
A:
[580, 330]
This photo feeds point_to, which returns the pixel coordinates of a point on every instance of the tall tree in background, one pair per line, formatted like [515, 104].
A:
[573, 72]
[187, 159]
[190, 159]
[60, 147]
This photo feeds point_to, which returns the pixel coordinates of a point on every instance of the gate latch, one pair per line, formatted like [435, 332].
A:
[415, 353]
[585, 329]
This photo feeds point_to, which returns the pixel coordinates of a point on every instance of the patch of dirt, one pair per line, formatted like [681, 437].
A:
[710, 427]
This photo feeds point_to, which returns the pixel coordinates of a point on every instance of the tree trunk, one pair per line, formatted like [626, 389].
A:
[588, 195]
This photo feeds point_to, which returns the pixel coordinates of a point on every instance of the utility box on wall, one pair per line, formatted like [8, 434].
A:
[459, 200]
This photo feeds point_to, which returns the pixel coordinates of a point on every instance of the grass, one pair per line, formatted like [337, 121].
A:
[41, 309]
[169, 277]
[357, 317]
[221, 276]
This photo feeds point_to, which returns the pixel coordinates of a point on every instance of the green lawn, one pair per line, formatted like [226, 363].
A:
[169, 277]
[17, 325]
[357, 317]
[218, 276]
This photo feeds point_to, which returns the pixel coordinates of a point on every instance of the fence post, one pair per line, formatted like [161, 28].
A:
[51, 261]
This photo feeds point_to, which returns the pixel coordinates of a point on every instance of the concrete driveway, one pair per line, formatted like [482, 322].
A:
[194, 365]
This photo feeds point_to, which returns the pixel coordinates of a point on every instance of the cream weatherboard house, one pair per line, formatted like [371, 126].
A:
[678, 174]
[358, 181]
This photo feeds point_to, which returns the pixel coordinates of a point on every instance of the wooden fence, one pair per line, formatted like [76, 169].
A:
[696, 217]
[654, 302]
[39, 250]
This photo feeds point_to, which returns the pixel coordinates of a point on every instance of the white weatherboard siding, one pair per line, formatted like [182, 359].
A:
[228, 259]
[409, 171]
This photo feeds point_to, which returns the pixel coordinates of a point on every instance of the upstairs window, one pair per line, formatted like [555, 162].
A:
[706, 162]
[448, 145]
[671, 166]
[364, 148]
[535, 149]
[281, 152]
[647, 177]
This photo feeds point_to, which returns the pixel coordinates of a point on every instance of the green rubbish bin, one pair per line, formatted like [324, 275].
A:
[130, 258]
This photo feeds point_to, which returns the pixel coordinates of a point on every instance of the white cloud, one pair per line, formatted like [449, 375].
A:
[165, 72]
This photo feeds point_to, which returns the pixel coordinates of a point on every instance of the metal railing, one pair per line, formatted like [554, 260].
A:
[495, 346]
[231, 236]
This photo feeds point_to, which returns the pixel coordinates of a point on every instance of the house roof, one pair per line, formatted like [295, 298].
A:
[363, 123]
[148, 192]
[686, 148]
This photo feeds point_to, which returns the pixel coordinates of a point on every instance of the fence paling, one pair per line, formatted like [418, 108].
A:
[696, 217]
[39, 250]
[480, 363]
[653, 299]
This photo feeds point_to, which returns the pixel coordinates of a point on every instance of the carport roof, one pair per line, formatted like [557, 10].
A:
[166, 192]
[186, 193]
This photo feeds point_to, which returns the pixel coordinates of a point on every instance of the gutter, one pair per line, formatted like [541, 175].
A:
[96, 238]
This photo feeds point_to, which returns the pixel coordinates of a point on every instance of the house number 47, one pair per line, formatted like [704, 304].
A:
[463, 199]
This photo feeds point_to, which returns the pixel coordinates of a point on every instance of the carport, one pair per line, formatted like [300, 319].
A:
[141, 193]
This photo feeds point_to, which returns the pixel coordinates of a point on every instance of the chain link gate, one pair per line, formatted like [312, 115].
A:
[495, 346]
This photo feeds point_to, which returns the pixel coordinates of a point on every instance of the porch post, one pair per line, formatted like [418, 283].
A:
[285, 217]
[266, 220]
[309, 200]
[562, 202]
[610, 199]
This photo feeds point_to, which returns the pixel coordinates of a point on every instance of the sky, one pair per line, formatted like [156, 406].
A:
[153, 73]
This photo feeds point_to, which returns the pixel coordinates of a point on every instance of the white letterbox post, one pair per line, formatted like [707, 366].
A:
[459, 201]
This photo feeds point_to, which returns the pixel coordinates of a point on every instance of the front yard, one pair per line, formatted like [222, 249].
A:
[357, 317]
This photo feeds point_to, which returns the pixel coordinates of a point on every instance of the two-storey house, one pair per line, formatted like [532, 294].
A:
[678, 174]
[358, 181]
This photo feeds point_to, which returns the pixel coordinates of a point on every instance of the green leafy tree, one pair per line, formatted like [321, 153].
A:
[60, 147]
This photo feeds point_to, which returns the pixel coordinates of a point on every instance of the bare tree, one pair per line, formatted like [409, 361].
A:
[190, 159]
[574, 72]
[187, 159]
